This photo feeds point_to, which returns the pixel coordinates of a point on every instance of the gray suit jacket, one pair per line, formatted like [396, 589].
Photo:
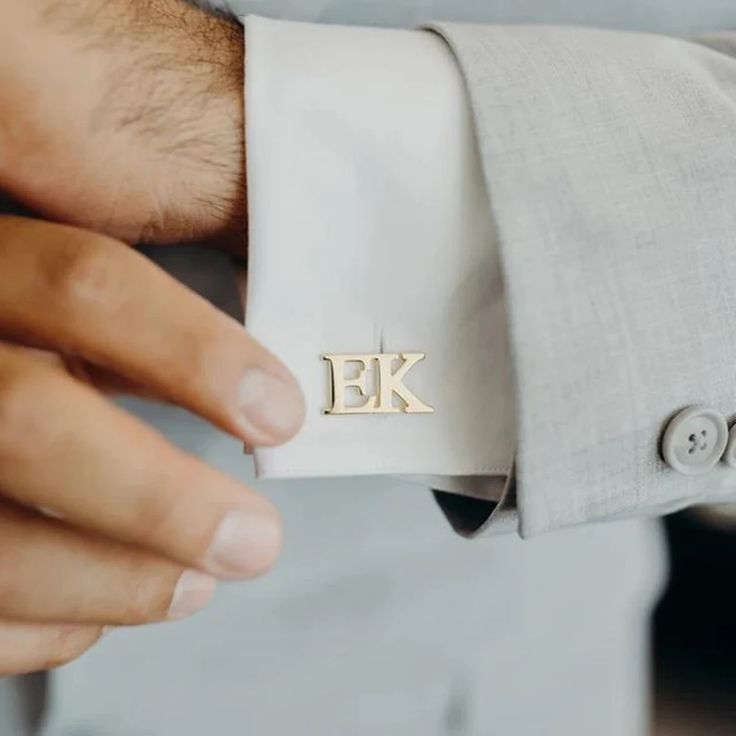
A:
[610, 161]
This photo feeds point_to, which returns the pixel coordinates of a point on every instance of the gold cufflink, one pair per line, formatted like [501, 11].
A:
[373, 385]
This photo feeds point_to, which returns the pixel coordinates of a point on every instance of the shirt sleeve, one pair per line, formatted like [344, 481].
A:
[370, 235]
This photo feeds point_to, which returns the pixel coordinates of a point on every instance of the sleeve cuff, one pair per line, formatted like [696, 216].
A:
[370, 233]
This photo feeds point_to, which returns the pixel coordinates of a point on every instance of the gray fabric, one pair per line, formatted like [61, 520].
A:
[380, 621]
[611, 167]
[663, 16]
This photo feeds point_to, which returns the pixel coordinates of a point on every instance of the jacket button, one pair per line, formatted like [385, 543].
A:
[695, 440]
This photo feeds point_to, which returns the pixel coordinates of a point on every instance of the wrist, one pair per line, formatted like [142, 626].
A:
[125, 118]
[197, 149]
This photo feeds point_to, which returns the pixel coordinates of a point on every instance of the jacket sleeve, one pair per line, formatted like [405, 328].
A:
[610, 165]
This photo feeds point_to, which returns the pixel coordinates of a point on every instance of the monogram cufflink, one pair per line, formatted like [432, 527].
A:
[367, 383]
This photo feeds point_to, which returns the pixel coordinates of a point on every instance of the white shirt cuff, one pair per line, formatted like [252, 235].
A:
[370, 233]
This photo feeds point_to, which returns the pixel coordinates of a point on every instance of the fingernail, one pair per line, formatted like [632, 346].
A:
[193, 592]
[244, 545]
[271, 408]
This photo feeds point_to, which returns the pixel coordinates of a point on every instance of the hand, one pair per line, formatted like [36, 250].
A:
[124, 117]
[102, 521]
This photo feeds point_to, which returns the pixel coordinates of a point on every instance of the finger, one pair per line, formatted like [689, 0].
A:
[102, 379]
[108, 382]
[32, 647]
[50, 572]
[65, 448]
[85, 294]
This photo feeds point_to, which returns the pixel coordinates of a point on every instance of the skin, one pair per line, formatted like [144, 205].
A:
[120, 121]
[124, 117]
